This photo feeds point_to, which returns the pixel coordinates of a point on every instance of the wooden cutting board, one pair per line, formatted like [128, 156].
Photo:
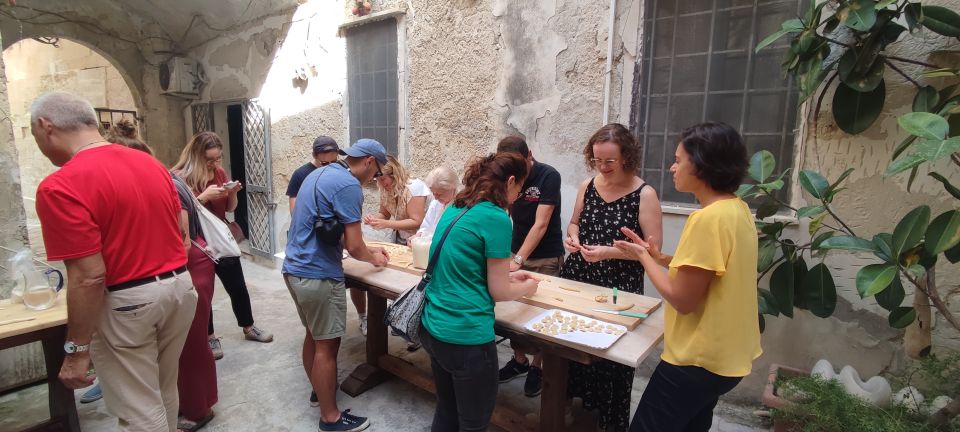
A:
[581, 298]
[401, 257]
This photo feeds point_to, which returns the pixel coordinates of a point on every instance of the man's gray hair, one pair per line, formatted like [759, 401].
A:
[442, 178]
[65, 111]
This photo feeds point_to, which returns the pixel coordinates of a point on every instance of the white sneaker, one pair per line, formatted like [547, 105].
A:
[363, 325]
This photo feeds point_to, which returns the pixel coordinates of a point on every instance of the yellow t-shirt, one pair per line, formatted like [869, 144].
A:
[723, 334]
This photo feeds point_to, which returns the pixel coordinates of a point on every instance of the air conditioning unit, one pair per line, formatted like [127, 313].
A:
[182, 77]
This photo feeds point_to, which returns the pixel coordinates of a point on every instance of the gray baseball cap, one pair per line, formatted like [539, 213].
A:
[367, 147]
[324, 144]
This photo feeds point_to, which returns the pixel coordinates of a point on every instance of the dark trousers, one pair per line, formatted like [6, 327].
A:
[466, 380]
[231, 275]
[680, 398]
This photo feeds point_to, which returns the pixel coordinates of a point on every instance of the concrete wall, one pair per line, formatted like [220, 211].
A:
[34, 68]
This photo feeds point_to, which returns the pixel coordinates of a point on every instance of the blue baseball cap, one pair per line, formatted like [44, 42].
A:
[367, 147]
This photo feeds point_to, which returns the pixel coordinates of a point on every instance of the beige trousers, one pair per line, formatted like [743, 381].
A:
[136, 351]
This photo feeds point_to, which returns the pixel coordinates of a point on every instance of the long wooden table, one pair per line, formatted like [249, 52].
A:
[49, 327]
[384, 284]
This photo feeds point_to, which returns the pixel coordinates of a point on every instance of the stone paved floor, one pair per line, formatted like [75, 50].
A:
[263, 388]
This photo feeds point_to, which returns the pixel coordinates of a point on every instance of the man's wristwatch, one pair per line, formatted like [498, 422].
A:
[518, 259]
[72, 348]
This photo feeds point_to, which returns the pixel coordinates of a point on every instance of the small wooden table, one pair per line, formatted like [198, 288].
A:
[49, 327]
[381, 285]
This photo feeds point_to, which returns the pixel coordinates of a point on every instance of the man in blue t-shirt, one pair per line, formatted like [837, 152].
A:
[313, 268]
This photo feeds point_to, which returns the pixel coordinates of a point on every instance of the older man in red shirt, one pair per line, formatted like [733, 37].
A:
[111, 214]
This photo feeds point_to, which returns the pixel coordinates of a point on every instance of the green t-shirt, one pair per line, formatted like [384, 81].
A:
[459, 309]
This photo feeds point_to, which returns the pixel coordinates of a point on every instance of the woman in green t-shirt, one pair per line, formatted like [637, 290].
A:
[711, 330]
[472, 272]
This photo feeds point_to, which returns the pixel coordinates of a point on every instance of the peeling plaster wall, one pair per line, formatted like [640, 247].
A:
[33, 69]
[13, 228]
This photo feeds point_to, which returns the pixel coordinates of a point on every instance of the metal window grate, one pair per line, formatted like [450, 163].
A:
[372, 82]
[698, 64]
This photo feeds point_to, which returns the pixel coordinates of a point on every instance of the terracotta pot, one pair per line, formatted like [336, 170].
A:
[771, 397]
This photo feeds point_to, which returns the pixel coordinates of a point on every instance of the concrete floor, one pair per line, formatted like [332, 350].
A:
[262, 387]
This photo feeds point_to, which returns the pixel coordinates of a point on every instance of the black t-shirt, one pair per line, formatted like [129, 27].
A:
[297, 179]
[542, 187]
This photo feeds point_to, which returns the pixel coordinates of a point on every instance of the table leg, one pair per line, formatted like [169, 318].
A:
[62, 405]
[369, 374]
[553, 400]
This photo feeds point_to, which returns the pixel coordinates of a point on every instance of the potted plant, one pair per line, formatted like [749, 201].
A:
[841, 47]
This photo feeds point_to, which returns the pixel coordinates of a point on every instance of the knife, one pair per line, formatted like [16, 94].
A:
[622, 313]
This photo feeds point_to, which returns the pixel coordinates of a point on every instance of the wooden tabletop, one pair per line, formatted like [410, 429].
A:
[632, 348]
[55, 316]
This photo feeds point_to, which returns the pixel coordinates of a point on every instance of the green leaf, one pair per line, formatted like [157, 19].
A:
[884, 3]
[926, 99]
[814, 183]
[892, 297]
[910, 230]
[859, 15]
[761, 166]
[940, 73]
[763, 324]
[934, 150]
[781, 286]
[914, 14]
[789, 26]
[799, 273]
[943, 232]
[854, 111]
[900, 165]
[882, 247]
[913, 177]
[953, 254]
[766, 303]
[941, 20]
[810, 211]
[744, 190]
[848, 243]
[812, 74]
[924, 125]
[917, 271]
[901, 317]
[767, 251]
[820, 238]
[841, 178]
[773, 229]
[903, 146]
[820, 291]
[771, 186]
[946, 184]
[870, 79]
[815, 224]
[767, 209]
[874, 278]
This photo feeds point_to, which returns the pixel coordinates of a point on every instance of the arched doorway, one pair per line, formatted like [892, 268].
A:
[34, 68]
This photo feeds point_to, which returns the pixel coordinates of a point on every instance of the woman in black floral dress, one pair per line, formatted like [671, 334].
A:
[614, 198]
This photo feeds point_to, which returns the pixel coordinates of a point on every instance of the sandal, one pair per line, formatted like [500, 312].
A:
[186, 425]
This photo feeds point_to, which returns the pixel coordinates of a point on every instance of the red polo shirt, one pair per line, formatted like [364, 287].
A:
[116, 201]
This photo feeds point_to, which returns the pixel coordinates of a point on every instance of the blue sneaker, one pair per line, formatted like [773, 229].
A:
[92, 395]
[346, 423]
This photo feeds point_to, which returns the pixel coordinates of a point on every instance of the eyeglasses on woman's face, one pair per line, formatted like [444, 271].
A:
[598, 161]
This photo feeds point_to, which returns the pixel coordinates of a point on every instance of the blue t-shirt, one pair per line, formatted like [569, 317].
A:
[336, 194]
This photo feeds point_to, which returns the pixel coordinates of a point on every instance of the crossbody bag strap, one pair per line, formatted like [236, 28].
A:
[436, 252]
[316, 199]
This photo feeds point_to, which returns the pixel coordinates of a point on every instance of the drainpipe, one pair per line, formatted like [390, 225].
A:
[609, 73]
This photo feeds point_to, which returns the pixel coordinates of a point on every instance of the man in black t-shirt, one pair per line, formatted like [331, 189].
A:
[537, 243]
[324, 153]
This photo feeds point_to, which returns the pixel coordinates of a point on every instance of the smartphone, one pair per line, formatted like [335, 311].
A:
[230, 185]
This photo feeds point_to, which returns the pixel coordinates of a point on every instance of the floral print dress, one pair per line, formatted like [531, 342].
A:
[605, 385]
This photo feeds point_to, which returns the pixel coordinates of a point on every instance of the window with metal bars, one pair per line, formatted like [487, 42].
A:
[372, 82]
[698, 64]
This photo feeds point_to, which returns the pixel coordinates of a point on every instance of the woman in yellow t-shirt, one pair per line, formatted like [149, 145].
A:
[711, 331]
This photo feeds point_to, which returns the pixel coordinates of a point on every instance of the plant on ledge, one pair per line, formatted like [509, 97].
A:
[841, 47]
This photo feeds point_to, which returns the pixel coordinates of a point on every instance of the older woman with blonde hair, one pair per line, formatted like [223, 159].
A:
[443, 184]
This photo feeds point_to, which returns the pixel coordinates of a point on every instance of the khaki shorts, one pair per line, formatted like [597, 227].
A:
[321, 304]
[547, 266]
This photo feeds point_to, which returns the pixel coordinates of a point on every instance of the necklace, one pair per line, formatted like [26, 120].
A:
[87, 145]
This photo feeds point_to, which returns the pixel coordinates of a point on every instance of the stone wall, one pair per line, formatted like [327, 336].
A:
[34, 68]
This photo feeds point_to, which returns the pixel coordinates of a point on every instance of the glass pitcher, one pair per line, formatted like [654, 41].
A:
[41, 288]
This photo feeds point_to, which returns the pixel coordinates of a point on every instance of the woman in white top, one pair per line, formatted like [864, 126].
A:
[443, 183]
[403, 202]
